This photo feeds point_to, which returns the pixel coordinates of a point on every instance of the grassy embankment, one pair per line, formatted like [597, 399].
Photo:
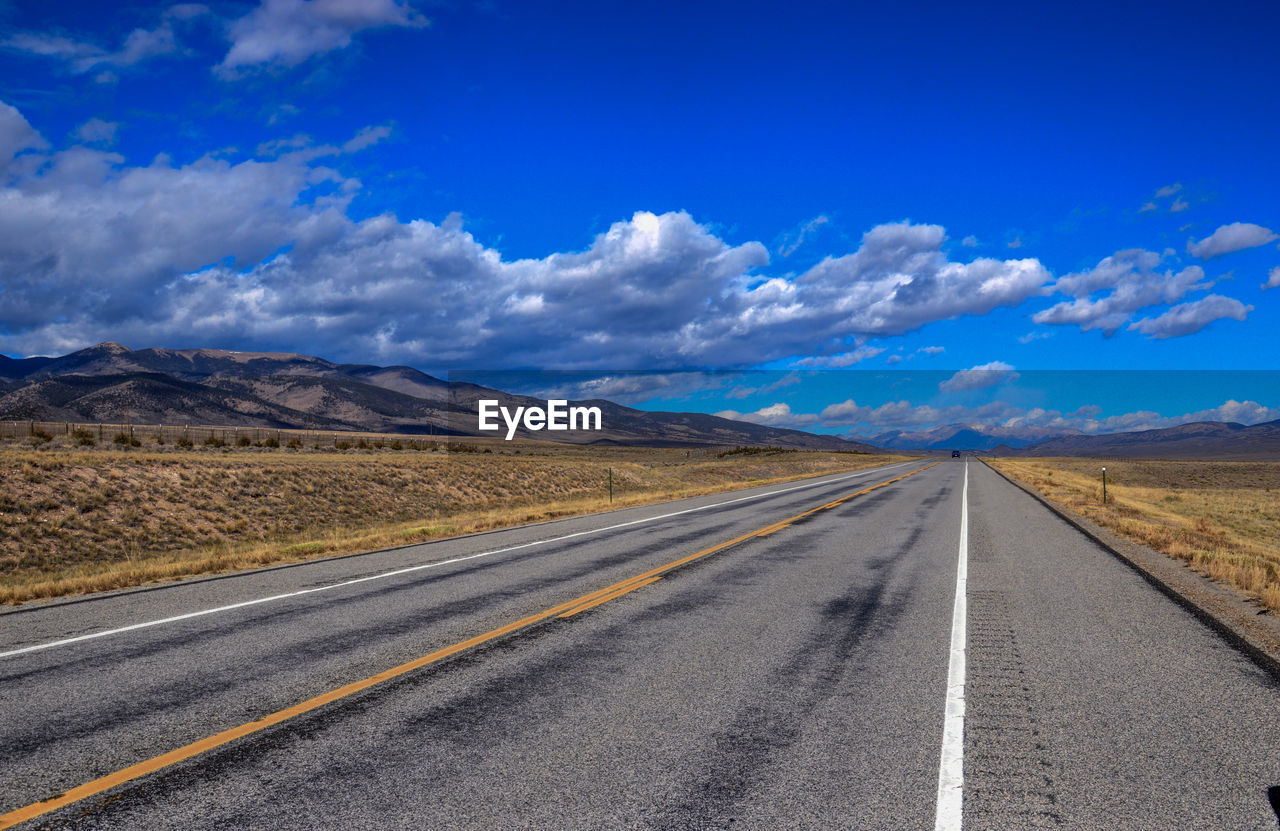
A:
[1222, 518]
[74, 521]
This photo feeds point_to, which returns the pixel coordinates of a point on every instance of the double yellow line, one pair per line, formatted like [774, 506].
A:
[563, 610]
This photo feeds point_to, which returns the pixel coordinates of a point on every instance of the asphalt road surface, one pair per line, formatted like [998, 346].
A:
[543, 678]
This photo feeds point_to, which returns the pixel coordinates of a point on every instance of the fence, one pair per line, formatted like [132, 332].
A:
[192, 435]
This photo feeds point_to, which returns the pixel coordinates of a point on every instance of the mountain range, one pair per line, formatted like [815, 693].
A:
[111, 383]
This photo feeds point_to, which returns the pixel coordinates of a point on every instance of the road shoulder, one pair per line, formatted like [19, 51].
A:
[1234, 616]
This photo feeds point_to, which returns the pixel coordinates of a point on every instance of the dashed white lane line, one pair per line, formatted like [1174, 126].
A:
[951, 768]
[410, 569]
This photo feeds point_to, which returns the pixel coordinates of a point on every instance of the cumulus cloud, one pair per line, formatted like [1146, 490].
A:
[1273, 279]
[898, 280]
[262, 253]
[1130, 281]
[286, 32]
[970, 241]
[774, 415]
[932, 350]
[979, 377]
[901, 415]
[1234, 237]
[1026, 422]
[1188, 318]
[16, 135]
[1089, 419]
[622, 387]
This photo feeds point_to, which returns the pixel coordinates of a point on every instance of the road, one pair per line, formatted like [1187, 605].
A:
[631, 670]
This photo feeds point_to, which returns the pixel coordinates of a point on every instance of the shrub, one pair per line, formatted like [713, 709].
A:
[243, 441]
[271, 442]
[83, 437]
[185, 441]
[214, 441]
[294, 442]
[126, 440]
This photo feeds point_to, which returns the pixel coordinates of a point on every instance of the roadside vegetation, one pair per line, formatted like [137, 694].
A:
[1222, 518]
[109, 516]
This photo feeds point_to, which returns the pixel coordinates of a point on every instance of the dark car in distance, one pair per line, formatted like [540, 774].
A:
[955, 454]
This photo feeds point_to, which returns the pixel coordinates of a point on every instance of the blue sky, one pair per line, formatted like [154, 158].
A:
[655, 187]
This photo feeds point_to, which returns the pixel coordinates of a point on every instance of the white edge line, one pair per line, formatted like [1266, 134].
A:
[951, 767]
[189, 615]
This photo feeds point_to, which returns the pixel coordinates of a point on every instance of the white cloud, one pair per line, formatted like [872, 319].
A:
[970, 241]
[1131, 282]
[81, 57]
[897, 281]
[622, 388]
[979, 377]
[367, 137]
[794, 240]
[261, 253]
[1026, 423]
[1189, 318]
[932, 350]
[287, 32]
[1234, 237]
[1178, 206]
[97, 131]
[774, 415]
[1168, 190]
[1273, 279]
[790, 379]
[845, 359]
[16, 135]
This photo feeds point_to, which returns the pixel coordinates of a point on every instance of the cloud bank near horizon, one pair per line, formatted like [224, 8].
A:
[859, 421]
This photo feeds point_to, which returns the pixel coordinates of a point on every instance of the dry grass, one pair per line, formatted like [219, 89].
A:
[80, 521]
[1222, 518]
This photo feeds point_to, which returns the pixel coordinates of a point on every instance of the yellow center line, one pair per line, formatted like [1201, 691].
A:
[566, 609]
[610, 596]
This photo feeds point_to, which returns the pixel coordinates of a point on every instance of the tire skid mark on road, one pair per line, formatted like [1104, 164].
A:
[431, 565]
[203, 746]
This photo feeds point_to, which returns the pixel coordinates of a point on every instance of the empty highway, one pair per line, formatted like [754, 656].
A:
[920, 645]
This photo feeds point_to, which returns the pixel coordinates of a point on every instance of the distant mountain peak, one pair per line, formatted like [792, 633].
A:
[109, 347]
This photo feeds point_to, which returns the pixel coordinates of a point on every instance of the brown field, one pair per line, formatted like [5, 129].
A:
[109, 517]
[1222, 518]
